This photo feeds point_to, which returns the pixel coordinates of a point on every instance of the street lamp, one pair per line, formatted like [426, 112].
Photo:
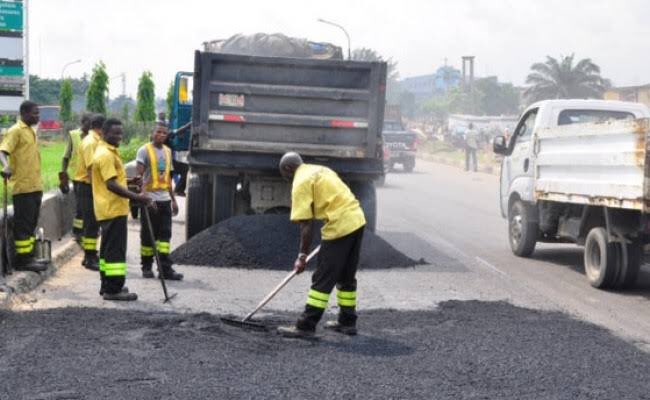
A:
[341, 28]
[67, 65]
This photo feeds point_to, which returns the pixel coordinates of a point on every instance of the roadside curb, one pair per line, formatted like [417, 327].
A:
[454, 163]
[21, 282]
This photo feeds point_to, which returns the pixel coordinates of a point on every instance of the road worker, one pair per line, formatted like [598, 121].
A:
[71, 158]
[317, 193]
[111, 206]
[21, 165]
[154, 165]
[84, 175]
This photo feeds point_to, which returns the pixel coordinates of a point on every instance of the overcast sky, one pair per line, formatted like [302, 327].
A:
[505, 36]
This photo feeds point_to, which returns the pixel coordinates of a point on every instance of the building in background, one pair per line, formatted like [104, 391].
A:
[424, 87]
[637, 94]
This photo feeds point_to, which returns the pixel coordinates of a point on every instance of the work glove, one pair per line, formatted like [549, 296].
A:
[64, 182]
[6, 172]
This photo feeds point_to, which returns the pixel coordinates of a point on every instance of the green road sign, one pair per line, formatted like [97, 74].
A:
[11, 71]
[11, 16]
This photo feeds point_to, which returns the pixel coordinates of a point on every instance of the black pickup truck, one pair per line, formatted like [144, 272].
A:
[401, 145]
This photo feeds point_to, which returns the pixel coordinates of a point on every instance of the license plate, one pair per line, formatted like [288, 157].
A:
[231, 100]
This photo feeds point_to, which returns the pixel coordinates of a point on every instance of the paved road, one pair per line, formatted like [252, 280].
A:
[445, 215]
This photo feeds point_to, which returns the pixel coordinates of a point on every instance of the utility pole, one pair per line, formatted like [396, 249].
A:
[344, 31]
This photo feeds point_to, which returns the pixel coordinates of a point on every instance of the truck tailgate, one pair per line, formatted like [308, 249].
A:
[269, 105]
[599, 164]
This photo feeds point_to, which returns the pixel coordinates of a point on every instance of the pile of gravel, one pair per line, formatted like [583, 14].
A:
[271, 242]
[462, 350]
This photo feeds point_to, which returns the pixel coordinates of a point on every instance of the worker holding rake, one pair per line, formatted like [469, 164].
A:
[318, 193]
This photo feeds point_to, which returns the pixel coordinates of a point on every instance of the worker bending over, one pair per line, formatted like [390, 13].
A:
[71, 158]
[318, 193]
[154, 165]
[23, 169]
[111, 204]
[84, 174]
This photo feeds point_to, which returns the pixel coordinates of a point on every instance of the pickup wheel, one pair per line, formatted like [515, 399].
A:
[522, 230]
[367, 195]
[409, 165]
[601, 258]
[197, 210]
[629, 266]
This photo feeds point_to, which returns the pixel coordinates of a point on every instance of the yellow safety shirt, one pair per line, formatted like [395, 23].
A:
[106, 165]
[318, 193]
[21, 144]
[72, 149]
[86, 153]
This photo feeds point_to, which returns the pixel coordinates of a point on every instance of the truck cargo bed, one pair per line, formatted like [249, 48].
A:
[598, 164]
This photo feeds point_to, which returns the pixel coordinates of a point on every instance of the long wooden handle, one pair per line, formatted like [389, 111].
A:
[280, 286]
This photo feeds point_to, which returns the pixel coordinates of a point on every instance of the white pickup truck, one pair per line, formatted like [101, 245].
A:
[578, 171]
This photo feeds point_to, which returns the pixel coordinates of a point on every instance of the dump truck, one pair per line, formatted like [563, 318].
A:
[578, 171]
[248, 110]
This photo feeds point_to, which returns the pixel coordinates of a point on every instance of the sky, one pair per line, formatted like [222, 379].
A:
[506, 37]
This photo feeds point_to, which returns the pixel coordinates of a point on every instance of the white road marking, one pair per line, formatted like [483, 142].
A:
[490, 265]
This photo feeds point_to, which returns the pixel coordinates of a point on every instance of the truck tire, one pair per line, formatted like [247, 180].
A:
[409, 165]
[601, 258]
[522, 229]
[225, 188]
[197, 210]
[367, 195]
[629, 267]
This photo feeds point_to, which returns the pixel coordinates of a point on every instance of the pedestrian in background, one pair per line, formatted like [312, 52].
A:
[471, 146]
[71, 157]
[84, 174]
[111, 205]
[23, 170]
[318, 193]
[154, 165]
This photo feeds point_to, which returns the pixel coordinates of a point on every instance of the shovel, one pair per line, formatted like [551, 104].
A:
[145, 214]
[246, 321]
[6, 265]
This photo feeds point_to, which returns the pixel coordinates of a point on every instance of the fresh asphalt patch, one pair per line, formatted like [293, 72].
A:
[461, 350]
[271, 242]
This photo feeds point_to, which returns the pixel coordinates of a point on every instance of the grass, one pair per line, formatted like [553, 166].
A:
[52, 154]
[450, 152]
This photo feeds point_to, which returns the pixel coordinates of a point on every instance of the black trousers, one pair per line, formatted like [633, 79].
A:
[90, 225]
[112, 254]
[181, 170]
[27, 208]
[78, 222]
[161, 222]
[337, 266]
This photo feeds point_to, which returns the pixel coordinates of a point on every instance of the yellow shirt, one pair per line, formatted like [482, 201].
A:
[317, 192]
[72, 149]
[24, 159]
[86, 152]
[106, 165]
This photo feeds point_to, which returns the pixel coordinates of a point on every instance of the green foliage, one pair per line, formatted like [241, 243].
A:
[170, 99]
[129, 150]
[65, 100]
[437, 107]
[145, 107]
[124, 114]
[562, 79]
[47, 91]
[98, 89]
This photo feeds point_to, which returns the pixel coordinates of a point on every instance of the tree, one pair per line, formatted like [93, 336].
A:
[496, 98]
[65, 100]
[170, 100]
[145, 107]
[562, 79]
[392, 74]
[125, 111]
[98, 89]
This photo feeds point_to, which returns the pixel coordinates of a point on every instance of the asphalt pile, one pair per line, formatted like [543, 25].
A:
[271, 242]
[462, 350]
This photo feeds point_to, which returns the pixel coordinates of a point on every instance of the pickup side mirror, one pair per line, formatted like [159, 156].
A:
[499, 145]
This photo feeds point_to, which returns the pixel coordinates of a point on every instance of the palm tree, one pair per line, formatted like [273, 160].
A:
[562, 79]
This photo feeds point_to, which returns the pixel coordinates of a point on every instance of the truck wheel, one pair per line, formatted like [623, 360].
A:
[381, 181]
[367, 195]
[522, 231]
[225, 188]
[629, 268]
[601, 259]
[409, 165]
[197, 210]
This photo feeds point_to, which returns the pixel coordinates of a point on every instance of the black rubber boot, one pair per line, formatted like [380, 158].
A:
[294, 333]
[30, 264]
[147, 271]
[171, 275]
[336, 326]
[124, 290]
[122, 296]
[91, 261]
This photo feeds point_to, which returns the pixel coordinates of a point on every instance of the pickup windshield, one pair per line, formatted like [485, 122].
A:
[393, 126]
[568, 117]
